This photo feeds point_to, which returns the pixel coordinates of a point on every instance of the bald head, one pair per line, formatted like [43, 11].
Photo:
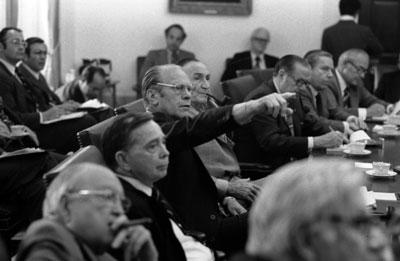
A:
[259, 40]
[199, 76]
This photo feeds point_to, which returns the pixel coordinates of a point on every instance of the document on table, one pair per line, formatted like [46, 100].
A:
[20, 152]
[74, 115]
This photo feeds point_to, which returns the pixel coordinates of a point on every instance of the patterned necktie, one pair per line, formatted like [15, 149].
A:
[346, 98]
[289, 121]
[163, 203]
[257, 65]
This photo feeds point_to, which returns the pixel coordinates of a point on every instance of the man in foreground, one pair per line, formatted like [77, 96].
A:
[83, 219]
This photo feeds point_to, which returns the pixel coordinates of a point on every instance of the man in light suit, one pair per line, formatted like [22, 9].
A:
[348, 89]
[255, 58]
[174, 37]
[347, 34]
[84, 219]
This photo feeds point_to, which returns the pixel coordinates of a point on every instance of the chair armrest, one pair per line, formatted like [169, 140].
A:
[254, 170]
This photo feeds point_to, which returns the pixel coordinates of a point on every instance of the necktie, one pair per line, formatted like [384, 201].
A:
[346, 98]
[28, 88]
[258, 60]
[318, 103]
[289, 121]
[174, 57]
[163, 203]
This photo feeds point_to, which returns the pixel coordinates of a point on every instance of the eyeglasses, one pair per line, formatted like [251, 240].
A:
[19, 42]
[179, 89]
[360, 70]
[299, 82]
[102, 196]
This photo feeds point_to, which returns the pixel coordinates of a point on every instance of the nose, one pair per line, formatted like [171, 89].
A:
[330, 73]
[205, 85]
[164, 151]
[186, 94]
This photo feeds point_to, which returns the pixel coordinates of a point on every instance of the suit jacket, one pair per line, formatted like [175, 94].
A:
[359, 97]
[49, 240]
[160, 57]
[269, 141]
[389, 87]
[242, 61]
[326, 112]
[168, 246]
[44, 95]
[18, 99]
[189, 187]
[345, 35]
[246, 257]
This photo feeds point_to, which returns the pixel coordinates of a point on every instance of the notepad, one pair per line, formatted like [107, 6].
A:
[74, 115]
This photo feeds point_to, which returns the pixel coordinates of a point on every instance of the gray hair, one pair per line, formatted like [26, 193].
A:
[294, 196]
[350, 55]
[63, 183]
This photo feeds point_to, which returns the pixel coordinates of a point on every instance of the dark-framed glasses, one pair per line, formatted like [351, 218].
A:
[18, 42]
[105, 196]
[300, 82]
[178, 88]
[360, 70]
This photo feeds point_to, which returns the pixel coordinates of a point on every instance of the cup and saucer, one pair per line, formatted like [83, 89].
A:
[356, 149]
[381, 170]
[389, 130]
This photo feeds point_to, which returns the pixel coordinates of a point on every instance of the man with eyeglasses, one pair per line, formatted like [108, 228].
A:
[276, 141]
[348, 88]
[27, 102]
[255, 58]
[84, 220]
[188, 185]
[317, 97]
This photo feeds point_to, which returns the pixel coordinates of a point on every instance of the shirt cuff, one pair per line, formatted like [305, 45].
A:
[362, 113]
[310, 143]
[40, 117]
[222, 186]
[346, 127]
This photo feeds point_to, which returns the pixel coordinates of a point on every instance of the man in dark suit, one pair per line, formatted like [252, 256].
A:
[348, 89]
[172, 54]
[138, 167]
[347, 34]
[318, 99]
[389, 86]
[253, 59]
[24, 99]
[188, 185]
[275, 141]
[83, 219]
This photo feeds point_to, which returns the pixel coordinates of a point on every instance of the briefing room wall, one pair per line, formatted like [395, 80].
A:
[123, 29]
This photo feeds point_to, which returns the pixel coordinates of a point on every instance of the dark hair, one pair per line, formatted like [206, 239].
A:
[117, 136]
[185, 61]
[3, 34]
[89, 72]
[288, 62]
[31, 41]
[349, 7]
[312, 56]
[177, 26]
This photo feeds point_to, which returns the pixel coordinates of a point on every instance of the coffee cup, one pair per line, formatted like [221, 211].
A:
[381, 168]
[356, 147]
[389, 129]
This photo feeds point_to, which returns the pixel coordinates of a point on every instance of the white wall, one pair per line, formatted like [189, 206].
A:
[123, 29]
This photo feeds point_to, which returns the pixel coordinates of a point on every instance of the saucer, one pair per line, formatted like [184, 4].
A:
[372, 173]
[390, 134]
[362, 153]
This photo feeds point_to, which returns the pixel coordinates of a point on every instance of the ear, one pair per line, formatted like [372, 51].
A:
[153, 97]
[122, 161]
[64, 209]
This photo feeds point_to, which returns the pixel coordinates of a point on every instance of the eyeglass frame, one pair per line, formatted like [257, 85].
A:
[299, 82]
[16, 42]
[360, 70]
[102, 194]
[179, 89]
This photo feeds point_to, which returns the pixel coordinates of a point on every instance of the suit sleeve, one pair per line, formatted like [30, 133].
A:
[380, 91]
[199, 129]
[374, 47]
[367, 99]
[147, 64]
[273, 141]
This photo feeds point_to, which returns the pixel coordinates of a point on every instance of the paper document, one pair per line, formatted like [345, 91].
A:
[20, 152]
[369, 199]
[74, 115]
[384, 196]
[93, 104]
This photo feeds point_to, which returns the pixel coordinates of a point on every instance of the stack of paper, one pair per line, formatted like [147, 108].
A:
[93, 104]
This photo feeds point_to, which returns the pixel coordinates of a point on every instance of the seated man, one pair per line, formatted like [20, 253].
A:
[348, 89]
[318, 99]
[25, 101]
[320, 201]
[388, 88]
[134, 148]
[276, 141]
[83, 219]
[253, 59]
[89, 86]
[188, 185]
[217, 155]
[172, 54]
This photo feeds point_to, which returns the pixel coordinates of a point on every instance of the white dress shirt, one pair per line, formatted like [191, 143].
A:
[254, 62]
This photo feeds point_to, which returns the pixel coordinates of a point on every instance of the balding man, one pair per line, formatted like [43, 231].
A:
[255, 58]
[188, 186]
[83, 219]
[348, 88]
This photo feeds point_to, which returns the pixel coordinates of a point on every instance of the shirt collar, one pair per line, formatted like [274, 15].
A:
[342, 82]
[138, 185]
[35, 74]
[348, 18]
[10, 67]
[276, 85]
[253, 56]
[314, 92]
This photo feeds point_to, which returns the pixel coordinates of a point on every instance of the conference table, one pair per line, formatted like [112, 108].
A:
[388, 151]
